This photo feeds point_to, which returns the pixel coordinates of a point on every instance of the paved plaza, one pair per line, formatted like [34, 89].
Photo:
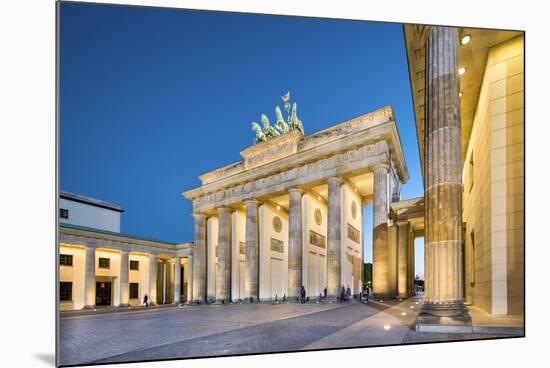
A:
[202, 331]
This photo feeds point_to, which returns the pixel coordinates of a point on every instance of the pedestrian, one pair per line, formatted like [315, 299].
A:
[342, 294]
[325, 292]
[303, 294]
[146, 300]
[348, 294]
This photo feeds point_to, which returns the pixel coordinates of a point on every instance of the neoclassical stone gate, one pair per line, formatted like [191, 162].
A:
[290, 213]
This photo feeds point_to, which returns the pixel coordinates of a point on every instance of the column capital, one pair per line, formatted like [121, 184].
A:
[380, 166]
[335, 179]
[199, 215]
[251, 201]
[223, 209]
[296, 190]
[401, 222]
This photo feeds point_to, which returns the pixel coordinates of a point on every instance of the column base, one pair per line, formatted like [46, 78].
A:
[123, 305]
[444, 318]
[222, 301]
[88, 307]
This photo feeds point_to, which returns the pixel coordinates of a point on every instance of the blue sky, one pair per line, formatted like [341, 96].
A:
[151, 98]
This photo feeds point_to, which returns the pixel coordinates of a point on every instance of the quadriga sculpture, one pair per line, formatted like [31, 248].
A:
[281, 126]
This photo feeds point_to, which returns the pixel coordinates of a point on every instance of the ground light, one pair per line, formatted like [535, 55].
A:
[387, 327]
[403, 313]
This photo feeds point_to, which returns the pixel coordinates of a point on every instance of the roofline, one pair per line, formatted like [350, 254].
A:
[121, 235]
[90, 201]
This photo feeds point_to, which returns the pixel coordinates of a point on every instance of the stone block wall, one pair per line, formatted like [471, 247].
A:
[493, 175]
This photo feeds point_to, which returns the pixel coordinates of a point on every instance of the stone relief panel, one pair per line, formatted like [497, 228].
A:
[318, 216]
[354, 234]
[353, 210]
[317, 239]
[277, 224]
[277, 245]
[242, 248]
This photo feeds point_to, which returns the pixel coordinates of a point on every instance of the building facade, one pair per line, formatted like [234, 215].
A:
[468, 92]
[101, 267]
[290, 214]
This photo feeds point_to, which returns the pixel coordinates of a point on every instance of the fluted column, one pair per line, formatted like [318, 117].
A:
[392, 260]
[177, 280]
[295, 243]
[403, 237]
[189, 279]
[223, 271]
[251, 286]
[152, 279]
[443, 176]
[380, 283]
[124, 287]
[334, 232]
[89, 278]
[199, 259]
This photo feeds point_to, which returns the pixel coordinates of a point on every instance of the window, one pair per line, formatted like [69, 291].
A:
[66, 291]
[66, 259]
[134, 265]
[134, 290]
[104, 262]
[64, 213]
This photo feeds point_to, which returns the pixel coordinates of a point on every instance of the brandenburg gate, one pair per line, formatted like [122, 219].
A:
[290, 214]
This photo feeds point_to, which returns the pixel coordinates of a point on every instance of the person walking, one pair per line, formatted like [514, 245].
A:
[303, 294]
[146, 300]
[342, 294]
[348, 294]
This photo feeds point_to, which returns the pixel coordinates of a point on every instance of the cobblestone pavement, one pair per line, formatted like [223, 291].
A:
[240, 329]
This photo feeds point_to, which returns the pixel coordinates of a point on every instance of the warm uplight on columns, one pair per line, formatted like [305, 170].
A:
[461, 70]
[465, 39]
[278, 208]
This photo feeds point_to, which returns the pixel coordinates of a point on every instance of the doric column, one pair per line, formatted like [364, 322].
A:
[199, 259]
[124, 287]
[443, 176]
[152, 279]
[295, 243]
[223, 271]
[89, 278]
[392, 260]
[334, 232]
[189, 279]
[177, 280]
[380, 231]
[403, 237]
[251, 286]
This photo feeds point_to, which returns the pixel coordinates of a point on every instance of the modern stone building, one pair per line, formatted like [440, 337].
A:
[99, 266]
[468, 92]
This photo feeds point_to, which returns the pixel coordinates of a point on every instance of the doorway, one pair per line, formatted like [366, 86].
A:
[103, 293]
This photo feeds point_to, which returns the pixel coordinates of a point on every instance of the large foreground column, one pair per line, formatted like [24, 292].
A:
[334, 246]
[124, 287]
[177, 280]
[295, 243]
[223, 266]
[251, 274]
[89, 278]
[402, 258]
[392, 260]
[380, 283]
[152, 279]
[199, 259]
[443, 181]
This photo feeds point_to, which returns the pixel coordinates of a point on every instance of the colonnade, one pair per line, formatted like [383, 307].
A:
[167, 295]
[252, 264]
